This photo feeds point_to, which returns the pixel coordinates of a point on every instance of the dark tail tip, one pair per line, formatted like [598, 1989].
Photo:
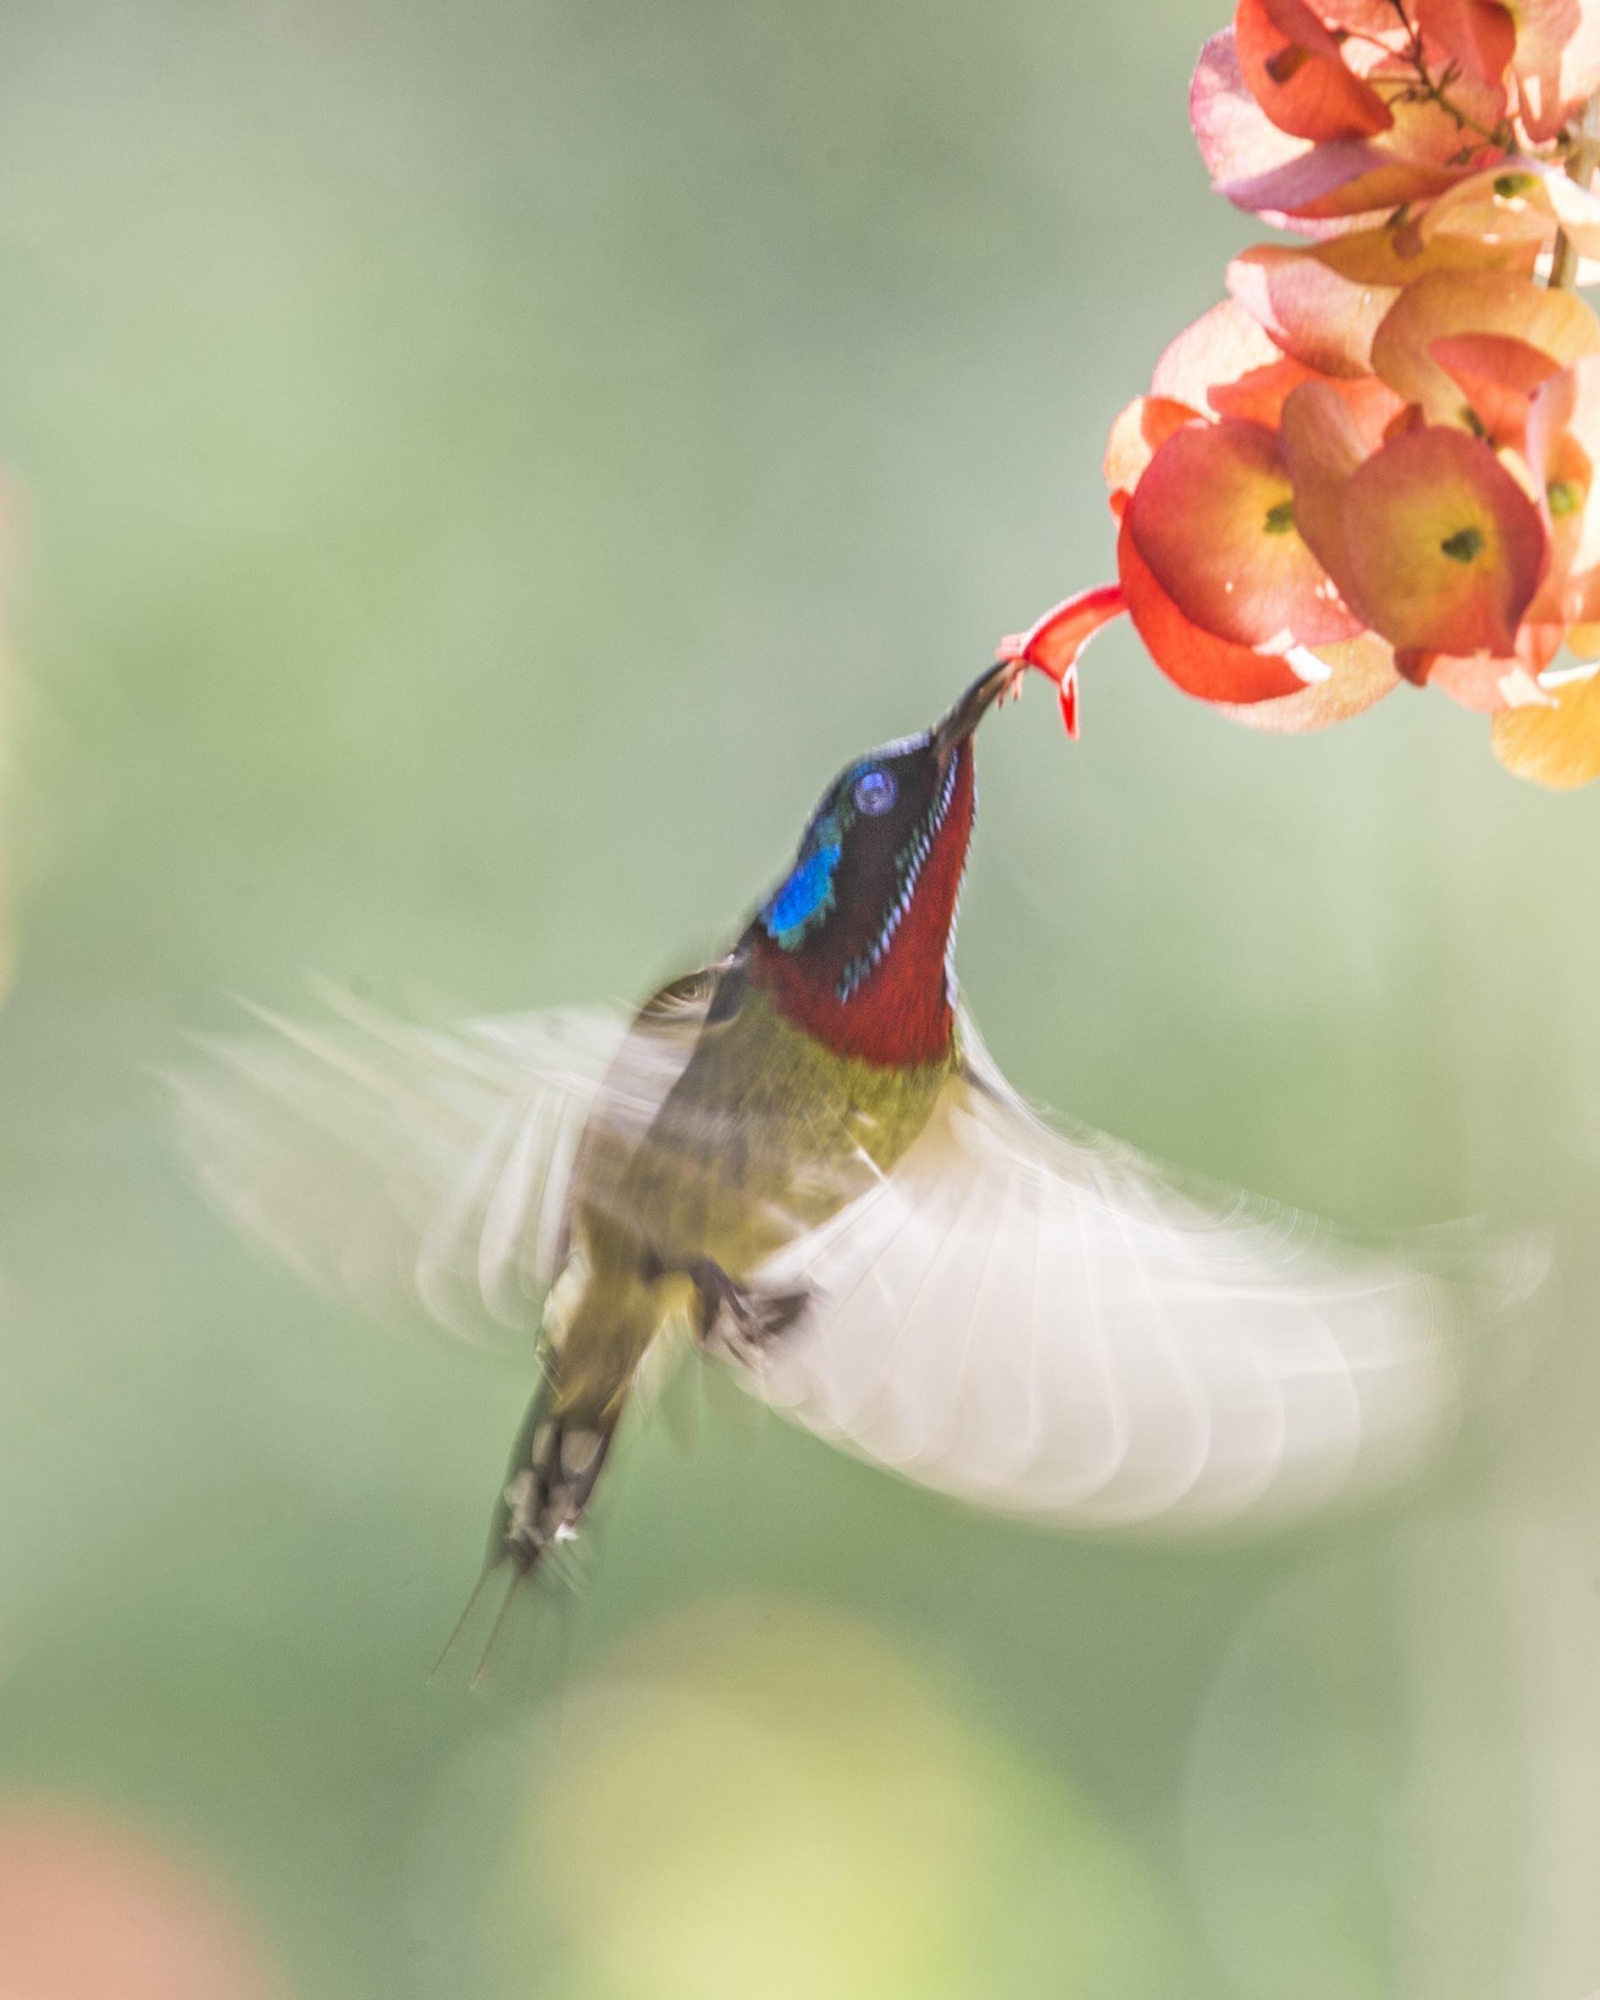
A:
[471, 1645]
[555, 1465]
[496, 1647]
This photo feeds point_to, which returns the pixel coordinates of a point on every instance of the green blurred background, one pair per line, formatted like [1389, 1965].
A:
[477, 470]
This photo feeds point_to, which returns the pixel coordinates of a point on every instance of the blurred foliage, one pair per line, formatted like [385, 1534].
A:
[481, 469]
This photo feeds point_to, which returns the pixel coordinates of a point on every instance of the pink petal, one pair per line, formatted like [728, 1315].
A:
[1344, 177]
[1137, 435]
[1362, 672]
[1220, 346]
[1477, 681]
[1311, 312]
[1237, 140]
[1557, 62]
[1563, 451]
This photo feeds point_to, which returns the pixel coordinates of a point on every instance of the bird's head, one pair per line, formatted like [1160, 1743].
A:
[855, 942]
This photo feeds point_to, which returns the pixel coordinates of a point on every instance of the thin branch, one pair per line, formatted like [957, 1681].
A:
[1429, 89]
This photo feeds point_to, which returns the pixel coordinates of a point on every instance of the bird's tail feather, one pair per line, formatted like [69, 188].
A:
[510, 1641]
[475, 1639]
[555, 1465]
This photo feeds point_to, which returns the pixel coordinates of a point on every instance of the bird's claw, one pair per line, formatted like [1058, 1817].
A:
[737, 1322]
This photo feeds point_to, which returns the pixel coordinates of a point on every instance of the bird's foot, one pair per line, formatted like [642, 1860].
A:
[737, 1321]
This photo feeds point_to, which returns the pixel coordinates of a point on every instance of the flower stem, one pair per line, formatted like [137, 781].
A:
[1434, 90]
[1583, 157]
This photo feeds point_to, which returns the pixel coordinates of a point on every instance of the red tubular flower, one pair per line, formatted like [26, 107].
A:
[1054, 643]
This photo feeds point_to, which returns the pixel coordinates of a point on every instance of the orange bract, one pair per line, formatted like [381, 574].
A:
[1200, 662]
[1311, 312]
[1324, 444]
[1213, 517]
[1361, 671]
[1446, 303]
[1557, 62]
[1377, 458]
[1136, 436]
[1296, 73]
[1557, 746]
[1499, 376]
[1441, 550]
[1479, 35]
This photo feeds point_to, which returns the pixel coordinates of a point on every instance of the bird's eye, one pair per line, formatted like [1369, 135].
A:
[875, 792]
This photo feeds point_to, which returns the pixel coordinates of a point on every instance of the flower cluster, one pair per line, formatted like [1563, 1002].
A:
[1375, 460]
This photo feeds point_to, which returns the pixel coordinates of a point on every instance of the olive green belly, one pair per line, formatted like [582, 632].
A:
[764, 1136]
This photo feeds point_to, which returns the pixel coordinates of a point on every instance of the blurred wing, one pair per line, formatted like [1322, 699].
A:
[1046, 1325]
[410, 1167]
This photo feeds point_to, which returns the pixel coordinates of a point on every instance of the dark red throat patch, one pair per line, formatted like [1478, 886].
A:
[899, 1012]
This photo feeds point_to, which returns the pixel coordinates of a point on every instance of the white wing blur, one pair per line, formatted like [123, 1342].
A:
[1048, 1326]
[407, 1167]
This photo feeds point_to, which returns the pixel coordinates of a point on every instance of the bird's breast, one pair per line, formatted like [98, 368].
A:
[765, 1135]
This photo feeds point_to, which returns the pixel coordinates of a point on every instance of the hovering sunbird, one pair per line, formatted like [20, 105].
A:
[802, 1156]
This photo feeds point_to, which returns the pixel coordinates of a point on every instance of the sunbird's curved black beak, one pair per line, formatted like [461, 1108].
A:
[991, 686]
